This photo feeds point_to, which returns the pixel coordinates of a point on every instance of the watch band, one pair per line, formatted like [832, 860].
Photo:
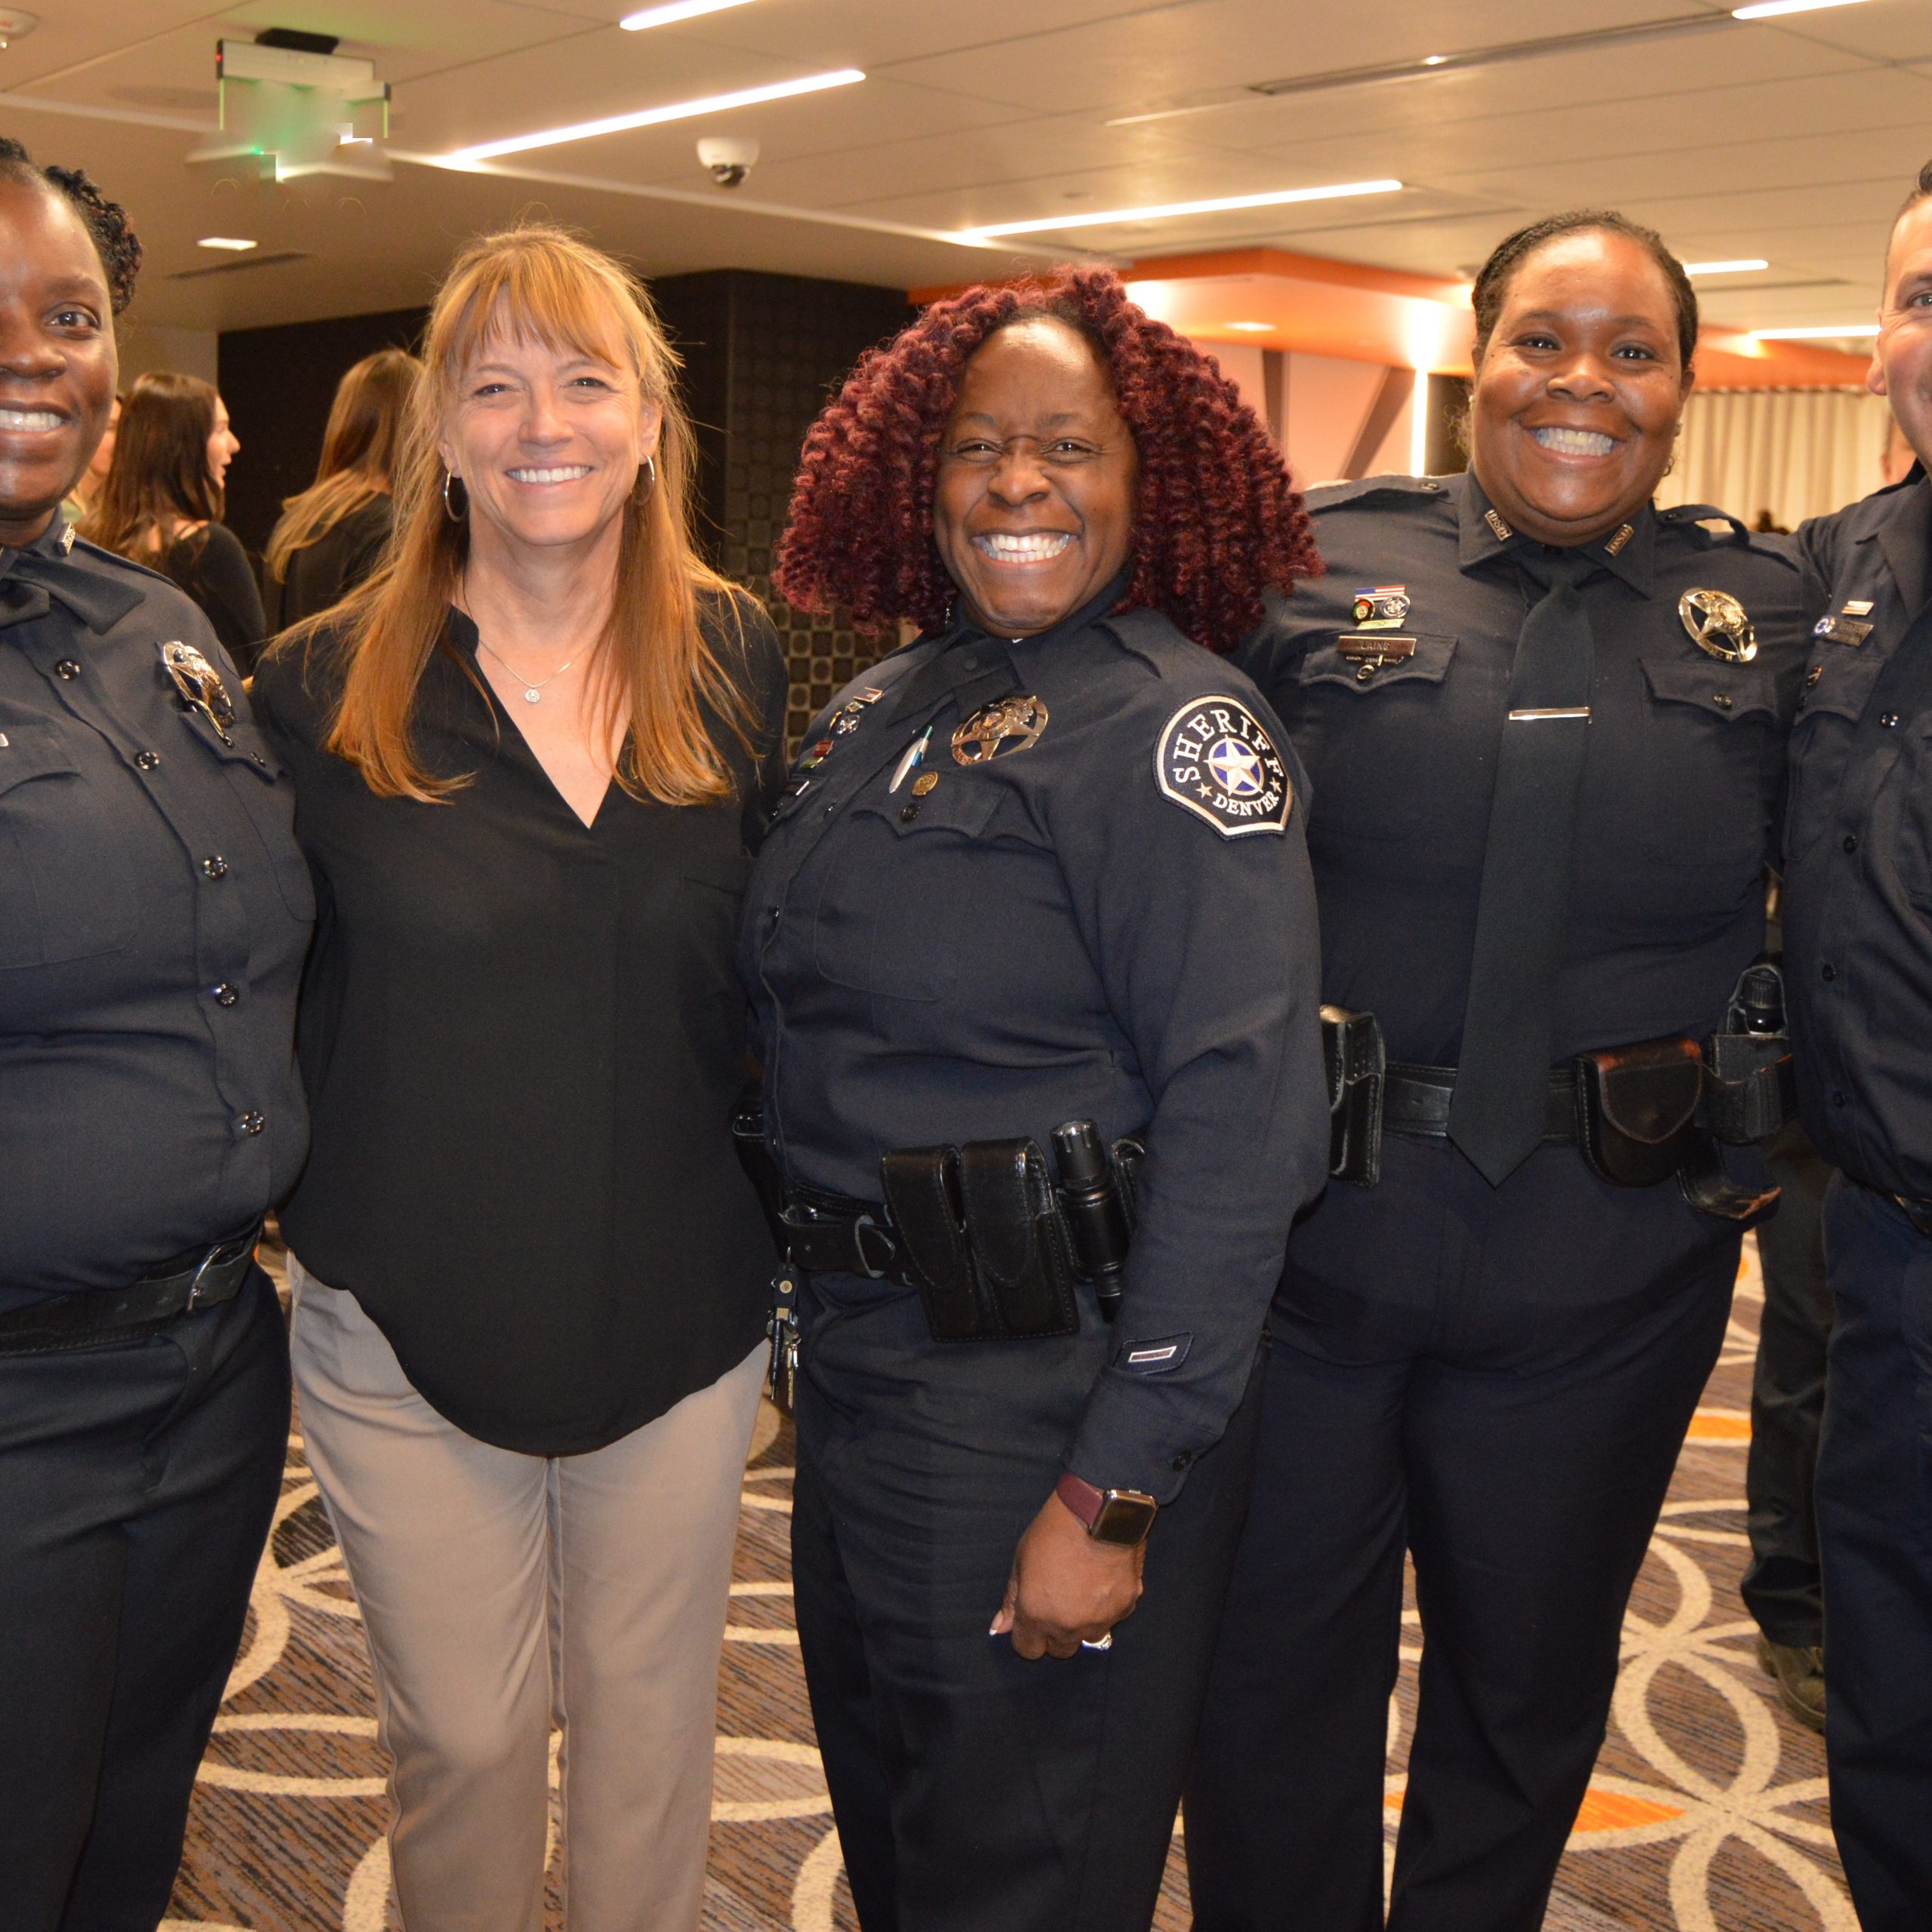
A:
[1120, 1516]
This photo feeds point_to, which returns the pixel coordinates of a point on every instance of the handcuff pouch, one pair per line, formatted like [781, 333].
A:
[1356, 1061]
[1637, 1109]
[1018, 1243]
[922, 1195]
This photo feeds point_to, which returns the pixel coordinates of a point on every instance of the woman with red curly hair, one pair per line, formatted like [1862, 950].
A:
[1039, 881]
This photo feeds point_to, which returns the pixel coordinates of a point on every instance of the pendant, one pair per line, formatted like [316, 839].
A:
[533, 697]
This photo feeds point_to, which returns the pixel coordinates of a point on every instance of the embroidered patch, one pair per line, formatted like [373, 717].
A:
[1214, 759]
[1160, 1356]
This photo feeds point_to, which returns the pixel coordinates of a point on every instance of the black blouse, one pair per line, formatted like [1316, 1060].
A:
[521, 1040]
[211, 566]
[325, 571]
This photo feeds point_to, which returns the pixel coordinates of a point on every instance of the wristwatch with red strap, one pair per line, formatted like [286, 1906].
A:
[1122, 1516]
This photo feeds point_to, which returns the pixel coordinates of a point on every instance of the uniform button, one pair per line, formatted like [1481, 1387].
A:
[1828, 971]
[67, 668]
[1890, 720]
[1183, 1461]
[215, 866]
[252, 1123]
[225, 995]
[1812, 676]
[907, 813]
[1838, 1100]
[1851, 842]
[147, 761]
[1722, 701]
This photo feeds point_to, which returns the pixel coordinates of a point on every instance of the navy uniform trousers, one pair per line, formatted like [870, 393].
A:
[1499, 1380]
[1874, 1517]
[1782, 1588]
[137, 1482]
[974, 1791]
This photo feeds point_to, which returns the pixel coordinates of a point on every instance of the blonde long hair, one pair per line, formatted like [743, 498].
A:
[359, 453]
[659, 675]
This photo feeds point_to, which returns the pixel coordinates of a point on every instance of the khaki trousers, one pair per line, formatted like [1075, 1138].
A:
[501, 1591]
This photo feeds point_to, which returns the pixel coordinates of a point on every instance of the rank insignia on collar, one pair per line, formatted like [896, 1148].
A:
[1502, 531]
[1214, 760]
[200, 685]
[998, 730]
[1719, 625]
[1842, 630]
[1381, 607]
[66, 539]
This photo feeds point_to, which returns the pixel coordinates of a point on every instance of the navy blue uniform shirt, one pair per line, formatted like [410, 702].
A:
[1681, 786]
[1858, 863]
[154, 911]
[1113, 923]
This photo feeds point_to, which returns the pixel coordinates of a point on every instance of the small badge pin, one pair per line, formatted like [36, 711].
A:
[1858, 606]
[1719, 625]
[926, 782]
[1382, 606]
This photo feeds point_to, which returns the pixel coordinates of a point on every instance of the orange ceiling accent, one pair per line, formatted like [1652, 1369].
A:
[1363, 314]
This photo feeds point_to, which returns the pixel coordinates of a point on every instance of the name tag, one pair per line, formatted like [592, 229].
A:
[1379, 645]
[1842, 630]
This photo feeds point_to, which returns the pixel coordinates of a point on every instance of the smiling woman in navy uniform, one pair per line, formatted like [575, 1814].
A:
[1043, 865]
[1545, 784]
[1858, 933]
[153, 910]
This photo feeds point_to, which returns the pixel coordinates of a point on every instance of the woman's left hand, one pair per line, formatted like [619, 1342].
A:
[1066, 1589]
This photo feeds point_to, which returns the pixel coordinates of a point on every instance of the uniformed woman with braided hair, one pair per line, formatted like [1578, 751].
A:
[1043, 865]
[154, 911]
[1544, 725]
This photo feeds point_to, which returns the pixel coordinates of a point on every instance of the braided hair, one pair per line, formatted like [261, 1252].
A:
[1493, 278]
[114, 240]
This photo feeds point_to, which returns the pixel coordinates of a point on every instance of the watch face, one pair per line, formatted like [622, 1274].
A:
[1125, 1517]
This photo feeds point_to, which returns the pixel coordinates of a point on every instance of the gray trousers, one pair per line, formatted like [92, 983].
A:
[501, 1591]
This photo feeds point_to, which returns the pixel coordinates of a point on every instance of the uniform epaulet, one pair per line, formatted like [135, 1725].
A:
[1709, 527]
[95, 554]
[1332, 496]
[1152, 635]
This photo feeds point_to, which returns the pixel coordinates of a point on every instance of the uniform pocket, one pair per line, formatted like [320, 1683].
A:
[66, 890]
[882, 920]
[1705, 782]
[1836, 688]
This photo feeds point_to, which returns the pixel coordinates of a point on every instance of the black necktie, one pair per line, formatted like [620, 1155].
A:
[1497, 1114]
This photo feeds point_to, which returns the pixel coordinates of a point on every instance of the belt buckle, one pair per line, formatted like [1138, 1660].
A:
[865, 1224]
[217, 1257]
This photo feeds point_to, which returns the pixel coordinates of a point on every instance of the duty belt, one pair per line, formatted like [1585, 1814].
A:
[827, 1234]
[90, 1316]
[1415, 1099]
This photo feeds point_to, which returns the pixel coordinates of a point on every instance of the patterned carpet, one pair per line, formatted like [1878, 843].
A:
[1707, 1812]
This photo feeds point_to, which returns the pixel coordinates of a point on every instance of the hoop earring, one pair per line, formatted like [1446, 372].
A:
[648, 476]
[449, 509]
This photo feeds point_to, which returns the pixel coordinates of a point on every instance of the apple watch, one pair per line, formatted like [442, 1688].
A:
[1122, 1516]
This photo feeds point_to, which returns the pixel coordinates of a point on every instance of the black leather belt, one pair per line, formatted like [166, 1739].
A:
[93, 1316]
[826, 1234]
[1919, 1212]
[1415, 1099]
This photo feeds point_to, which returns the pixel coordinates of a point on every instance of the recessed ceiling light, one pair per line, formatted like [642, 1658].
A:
[1435, 59]
[677, 10]
[653, 117]
[1251, 328]
[1814, 335]
[1765, 10]
[1741, 267]
[1167, 211]
[234, 242]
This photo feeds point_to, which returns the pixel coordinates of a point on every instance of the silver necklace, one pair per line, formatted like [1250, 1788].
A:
[533, 688]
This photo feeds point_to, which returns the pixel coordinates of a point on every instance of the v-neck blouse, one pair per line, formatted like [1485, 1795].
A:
[521, 1038]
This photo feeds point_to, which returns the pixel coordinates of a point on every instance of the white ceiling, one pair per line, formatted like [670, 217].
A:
[1793, 140]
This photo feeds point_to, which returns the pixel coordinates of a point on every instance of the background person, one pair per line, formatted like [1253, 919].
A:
[1544, 801]
[153, 910]
[530, 1276]
[335, 534]
[161, 503]
[1858, 933]
[1044, 864]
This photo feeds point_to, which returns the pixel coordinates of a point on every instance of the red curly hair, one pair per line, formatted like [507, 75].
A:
[1217, 519]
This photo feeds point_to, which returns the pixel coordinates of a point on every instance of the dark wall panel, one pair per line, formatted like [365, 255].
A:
[278, 384]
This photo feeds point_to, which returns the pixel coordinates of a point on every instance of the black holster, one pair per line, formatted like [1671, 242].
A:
[1750, 1081]
[983, 1239]
[1355, 1060]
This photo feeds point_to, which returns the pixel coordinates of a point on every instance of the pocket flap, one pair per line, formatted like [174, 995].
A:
[32, 750]
[963, 806]
[1724, 691]
[1422, 659]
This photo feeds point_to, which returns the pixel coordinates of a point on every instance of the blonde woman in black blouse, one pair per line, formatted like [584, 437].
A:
[529, 758]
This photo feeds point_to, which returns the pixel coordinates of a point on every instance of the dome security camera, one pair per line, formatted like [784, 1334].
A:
[729, 160]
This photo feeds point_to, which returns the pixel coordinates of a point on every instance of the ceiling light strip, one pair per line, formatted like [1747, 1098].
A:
[654, 117]
[1750, 267]
[1171, 211]
[1825, 334]
[1769, 10]
[677, 10]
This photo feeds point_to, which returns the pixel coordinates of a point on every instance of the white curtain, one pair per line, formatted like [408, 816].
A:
[1796, 453]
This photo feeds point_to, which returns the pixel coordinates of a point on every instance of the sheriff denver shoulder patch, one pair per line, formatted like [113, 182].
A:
[1214, 759]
